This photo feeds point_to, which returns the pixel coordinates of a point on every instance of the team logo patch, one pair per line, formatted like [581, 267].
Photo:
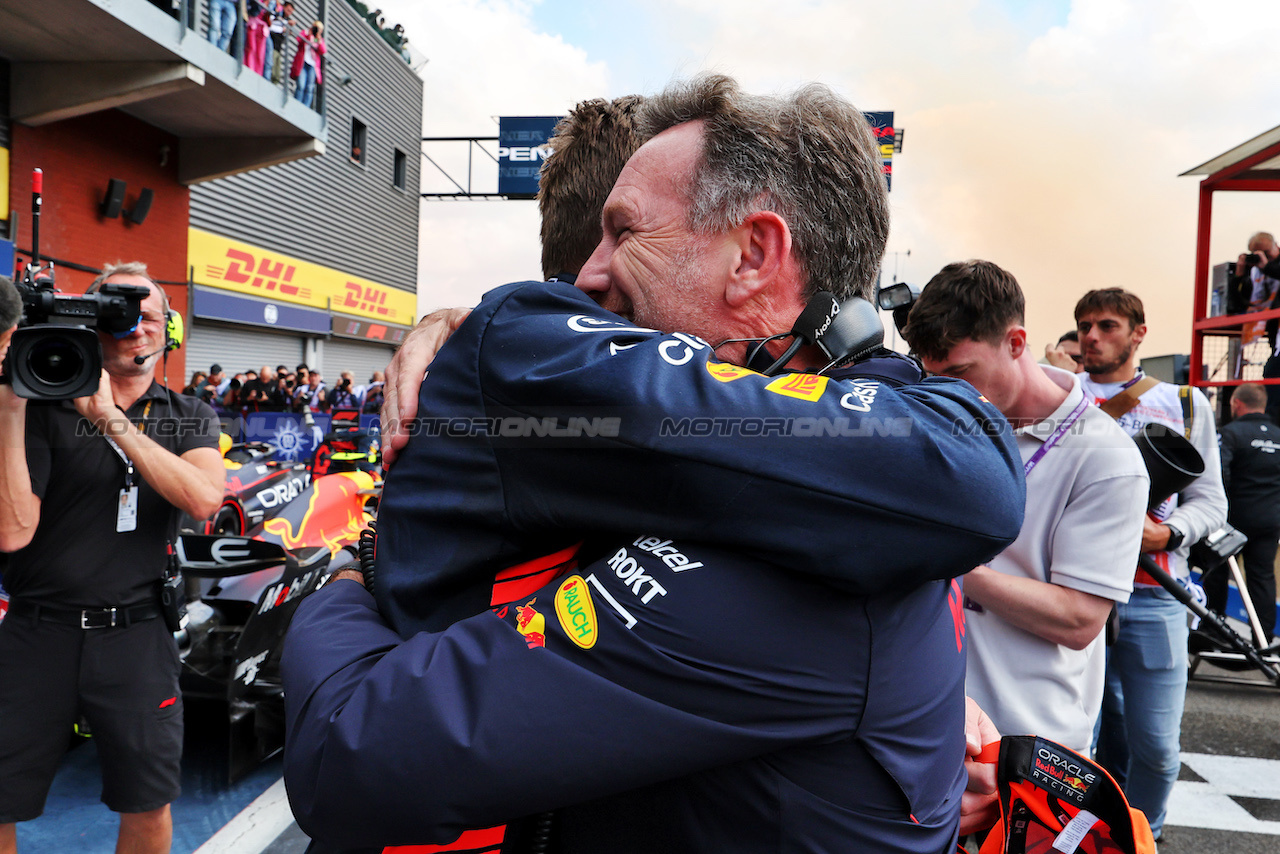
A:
[1061, 772]
[803, 386]
[727, 373]
[576, 611]
[531, 624]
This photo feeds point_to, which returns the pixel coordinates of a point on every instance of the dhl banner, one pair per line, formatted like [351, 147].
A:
[242, 267]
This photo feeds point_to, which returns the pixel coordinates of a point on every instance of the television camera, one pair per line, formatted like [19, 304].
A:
[55, 353]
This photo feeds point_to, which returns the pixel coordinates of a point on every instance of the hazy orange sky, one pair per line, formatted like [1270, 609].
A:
[1047, 137]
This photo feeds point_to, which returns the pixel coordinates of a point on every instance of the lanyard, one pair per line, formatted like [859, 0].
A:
[128, 463]
[1055, 437]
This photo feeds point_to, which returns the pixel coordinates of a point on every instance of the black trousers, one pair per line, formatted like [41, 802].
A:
[1259, 557]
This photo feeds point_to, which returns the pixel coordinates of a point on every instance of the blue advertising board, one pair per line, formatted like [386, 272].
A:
[218, 304]
[289, 432]
[521, 149]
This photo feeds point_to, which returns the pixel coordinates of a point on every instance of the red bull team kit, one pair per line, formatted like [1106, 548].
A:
[682, 605]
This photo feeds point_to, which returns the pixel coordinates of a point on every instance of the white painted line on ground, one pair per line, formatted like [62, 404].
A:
[256, 827]
[1208, 805]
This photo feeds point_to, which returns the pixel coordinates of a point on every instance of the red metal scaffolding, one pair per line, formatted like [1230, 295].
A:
[1252, 166]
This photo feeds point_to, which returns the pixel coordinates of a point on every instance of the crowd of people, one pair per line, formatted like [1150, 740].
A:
[267, 26]
[283, 390]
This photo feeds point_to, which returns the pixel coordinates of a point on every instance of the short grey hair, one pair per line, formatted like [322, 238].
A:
[809, 157]
[128, 268]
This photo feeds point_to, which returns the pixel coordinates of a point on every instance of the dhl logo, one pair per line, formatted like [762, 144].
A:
[265, 274]
[334, 516]
[802, 386]
[727, 373]
[576, 611]
[370, 299]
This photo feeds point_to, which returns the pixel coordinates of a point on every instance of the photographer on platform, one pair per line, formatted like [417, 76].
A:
[90, 490]
[1260, 266]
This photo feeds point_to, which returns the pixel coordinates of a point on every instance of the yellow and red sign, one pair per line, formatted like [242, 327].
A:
[802, 386]
[244, 268]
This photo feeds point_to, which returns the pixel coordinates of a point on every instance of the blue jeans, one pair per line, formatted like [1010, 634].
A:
[222, 22]
[1141, 721]
[305, 91]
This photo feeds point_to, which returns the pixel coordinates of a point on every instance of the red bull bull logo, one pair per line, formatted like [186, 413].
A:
[333, 517]
[576, 611]
[802, 386]
[726, 373]
[531, 624]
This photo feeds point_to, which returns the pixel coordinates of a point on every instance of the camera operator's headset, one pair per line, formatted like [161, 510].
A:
[845, 332]
[174, 328]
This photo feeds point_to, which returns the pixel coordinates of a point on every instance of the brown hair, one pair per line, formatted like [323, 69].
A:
[1115, 300]
[1251, 395]
[810, 157]
[966, 300]
[588, 150]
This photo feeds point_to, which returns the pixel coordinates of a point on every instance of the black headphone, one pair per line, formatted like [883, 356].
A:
[844, 331]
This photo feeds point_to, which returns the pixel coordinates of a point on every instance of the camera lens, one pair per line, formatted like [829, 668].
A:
[56, 362]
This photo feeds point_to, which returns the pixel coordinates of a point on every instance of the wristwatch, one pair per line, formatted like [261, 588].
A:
[1175, 538]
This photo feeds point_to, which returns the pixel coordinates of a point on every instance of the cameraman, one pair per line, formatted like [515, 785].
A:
[313, 395]
[90, 490]
[344, 396]
[1261, 266]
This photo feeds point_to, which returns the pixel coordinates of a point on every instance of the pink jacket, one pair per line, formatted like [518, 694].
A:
[319, 47]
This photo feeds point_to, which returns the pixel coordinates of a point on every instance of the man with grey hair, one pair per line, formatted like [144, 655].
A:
[594, 598]
[91, 491]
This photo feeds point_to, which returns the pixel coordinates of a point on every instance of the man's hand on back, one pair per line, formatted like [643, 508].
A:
[406, 372]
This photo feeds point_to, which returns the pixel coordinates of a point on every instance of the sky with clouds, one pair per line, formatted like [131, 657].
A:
[1047, 137]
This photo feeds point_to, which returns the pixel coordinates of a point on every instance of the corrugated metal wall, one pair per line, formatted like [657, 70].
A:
[328, 209]
[361, 358]
[239, 349]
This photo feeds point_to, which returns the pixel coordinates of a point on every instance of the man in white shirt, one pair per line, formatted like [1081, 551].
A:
[1141, 720]
[1035, 615]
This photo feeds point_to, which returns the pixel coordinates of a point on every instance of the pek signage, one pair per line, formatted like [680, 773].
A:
[522, 146]
[248, 269]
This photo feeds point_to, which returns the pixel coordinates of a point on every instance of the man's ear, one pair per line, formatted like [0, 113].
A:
[760, 253]
[1139, 333]
[1016, 341]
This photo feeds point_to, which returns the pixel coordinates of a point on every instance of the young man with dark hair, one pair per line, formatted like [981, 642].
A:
[1250, 447]
[596, 138]
[1036, 611]
[1141, 718]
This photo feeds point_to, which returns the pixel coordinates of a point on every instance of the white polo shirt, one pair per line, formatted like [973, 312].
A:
[1086, 498]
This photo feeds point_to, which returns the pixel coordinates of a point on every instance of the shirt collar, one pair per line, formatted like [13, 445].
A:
[1043, 429]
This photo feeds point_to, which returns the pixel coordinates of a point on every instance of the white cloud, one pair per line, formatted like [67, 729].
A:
[1052, 150]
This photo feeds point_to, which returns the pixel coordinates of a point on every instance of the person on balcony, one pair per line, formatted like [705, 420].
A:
[306, 63]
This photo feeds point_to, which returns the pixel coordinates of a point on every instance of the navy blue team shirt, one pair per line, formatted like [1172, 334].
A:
[758, 648]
